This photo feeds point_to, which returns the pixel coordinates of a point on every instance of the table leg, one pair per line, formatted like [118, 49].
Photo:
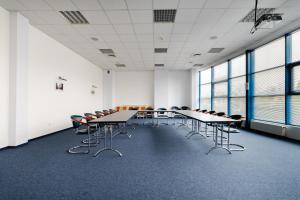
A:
[105, 148]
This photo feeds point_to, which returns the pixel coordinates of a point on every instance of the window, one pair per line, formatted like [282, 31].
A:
[238, 86]
[205, 89]
[295, 39]
[294, 98]
[269, 82]
[220, 87]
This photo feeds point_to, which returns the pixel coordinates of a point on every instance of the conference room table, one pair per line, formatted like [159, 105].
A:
[122, 117]
[108, 121]
[218, 123]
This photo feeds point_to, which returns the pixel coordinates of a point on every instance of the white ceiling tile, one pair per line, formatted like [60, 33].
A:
[128, 38]
[145, 37]
[113, 4]
[35, 4]
[187, 15]
[178, 37]
[52, 17]
[143, 28]
[242, 4]
[95, 17]
[87, 4]
[217, 3]
[104, 29]
[85, 29]
[139, 4]
[234, 15]
[61, 4]
[161, 44]
[146, 45]
[110, 38]
[33, 17]
[191, 3]
[163, 28]
[291, 4]
[211, 16]
[141, 16]
[165, 4]
[12, 5]
[270, 3]
[182, 28]
[124, 28]
[119, 17]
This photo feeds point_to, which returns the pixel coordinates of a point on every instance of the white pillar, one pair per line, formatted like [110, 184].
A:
[161, 95]
[108, 89]
[18, 130]
[194, 85]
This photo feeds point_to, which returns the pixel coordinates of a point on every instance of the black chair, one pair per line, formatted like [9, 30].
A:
[232, 129]
[77, 122]
[149, 115]
[203, 111]
[162, 115]
[175, 108]
[220, 114]
[99, 114]
[211, 112]
[185, 108]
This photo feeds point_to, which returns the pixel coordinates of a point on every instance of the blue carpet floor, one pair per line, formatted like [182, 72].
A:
[158, 163]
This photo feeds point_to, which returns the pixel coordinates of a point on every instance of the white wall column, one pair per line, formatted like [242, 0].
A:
[194, 83]
[109, 89]
[18, 90]
[161, 90]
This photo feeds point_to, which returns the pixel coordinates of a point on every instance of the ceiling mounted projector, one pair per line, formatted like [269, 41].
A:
[266, 21]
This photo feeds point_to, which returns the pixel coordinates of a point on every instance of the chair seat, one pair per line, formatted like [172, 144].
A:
[163, 116]
[178, 116]
[231, 130]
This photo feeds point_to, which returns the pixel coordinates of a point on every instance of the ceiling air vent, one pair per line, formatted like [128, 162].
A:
[159, 65]
[260, 12]
[120, 65]
[160, 50]
[107, 51]
[198, 65]
[74, 17]
[164, 15]
[215, 50]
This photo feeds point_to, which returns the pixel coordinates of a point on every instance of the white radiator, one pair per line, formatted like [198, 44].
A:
[272, 128]
[293, 132]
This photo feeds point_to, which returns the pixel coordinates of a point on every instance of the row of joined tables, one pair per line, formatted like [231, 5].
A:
[122, 117]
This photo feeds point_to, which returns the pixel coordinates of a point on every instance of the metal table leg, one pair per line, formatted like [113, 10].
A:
[217, 146]
[106, 148]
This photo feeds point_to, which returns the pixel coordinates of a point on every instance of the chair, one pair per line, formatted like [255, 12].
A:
[99, 114]
[211, 112]
[220, 114]
[105, 112]
[203, 111]
[232, 129]
[185, 108]
[77, 122]
[162, 115]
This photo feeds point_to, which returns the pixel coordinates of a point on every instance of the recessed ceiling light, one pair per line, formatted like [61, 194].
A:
[94, 39]
[215, 50]
[159, 65]
[74, 17]
[197, 54]
[167, 15]
[213, 37]
[160, 50]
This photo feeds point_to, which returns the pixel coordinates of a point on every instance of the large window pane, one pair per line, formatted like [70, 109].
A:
[270, 55]
[238, 87]
[220, 89]
[295, 110]
[238, 66]
[238, 106]
[269, 108]
[206, 76]
[220, 72]
[270, 82]
[296, 79]
[296, 46]
[206, 91]
[205, 104]
[220, 105]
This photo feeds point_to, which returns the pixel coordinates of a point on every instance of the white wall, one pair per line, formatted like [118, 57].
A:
[161, 89]
[49, 110]
[109, 89]
[179, 88]
[4, 76]
[134, 88]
